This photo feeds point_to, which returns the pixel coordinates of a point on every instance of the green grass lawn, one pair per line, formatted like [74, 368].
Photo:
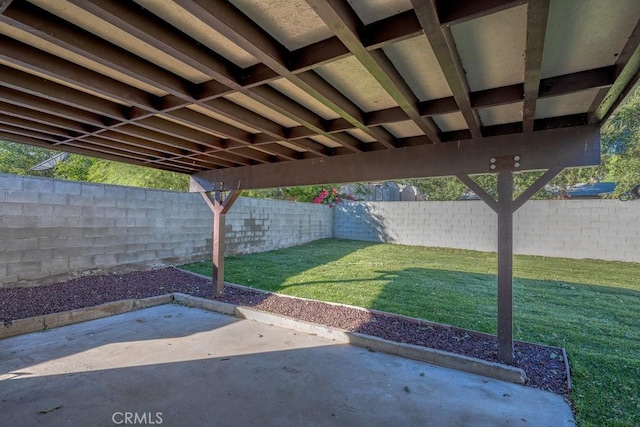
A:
[592, 308]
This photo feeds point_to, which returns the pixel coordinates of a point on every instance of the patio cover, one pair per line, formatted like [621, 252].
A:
[255, 94]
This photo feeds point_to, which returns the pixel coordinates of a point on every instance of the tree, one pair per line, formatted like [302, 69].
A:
[108, 172]
[75, 168]
[621, 145]
[18, 159]
[305, 193]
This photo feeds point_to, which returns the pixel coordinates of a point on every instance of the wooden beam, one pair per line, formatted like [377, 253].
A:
[4, 4]
[54, 67]
[394, 29]
[134, 20]
[537, 14]
[505, 267]
[565, 147]
[452, 12]
[48, 27]
[344, 22]
[627, 71]
[80, 42]
[30, 132]
[575, 82]
[184, 133]
[446, 53]
[550, 86]
[37, 86]
[70, 126]
[497, 96]
[91, 151]
[129, 135]
[24, 123]
[481, 192]
[204, 123]
[234, 25]
[315, 55]
[147, 28]
[375, 35]
[217, 253]
[505, 207]
[560, 122]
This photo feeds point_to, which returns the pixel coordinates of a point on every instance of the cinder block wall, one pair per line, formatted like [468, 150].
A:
[50, 227]
[258, 225]
[599, 229]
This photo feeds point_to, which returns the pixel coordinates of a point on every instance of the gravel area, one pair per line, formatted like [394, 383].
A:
[543, 365]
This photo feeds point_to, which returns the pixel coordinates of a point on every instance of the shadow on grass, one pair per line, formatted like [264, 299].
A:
[596, 324]
[544, 311]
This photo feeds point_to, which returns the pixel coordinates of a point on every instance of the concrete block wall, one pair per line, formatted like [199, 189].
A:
[50, 227]
[464, 225]
[258, 225]
[599, 229]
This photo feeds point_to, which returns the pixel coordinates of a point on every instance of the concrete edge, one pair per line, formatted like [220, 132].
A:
[54, 320]
[423, 354]
[205, 304]
[328, 332]
[446, 359]
[567, 368]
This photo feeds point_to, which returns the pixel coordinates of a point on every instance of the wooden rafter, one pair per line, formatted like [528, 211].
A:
[246, 34]
[456, 11]
[65, 103]
[443, 45]
[627, 71]
[343, 21]
[537, 13]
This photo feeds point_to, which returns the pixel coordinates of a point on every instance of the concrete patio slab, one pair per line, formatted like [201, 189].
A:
[174, 366]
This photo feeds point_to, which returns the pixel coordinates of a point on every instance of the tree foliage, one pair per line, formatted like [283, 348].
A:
[18, 159]
[117, 173]
[621, 145]
[304, 193]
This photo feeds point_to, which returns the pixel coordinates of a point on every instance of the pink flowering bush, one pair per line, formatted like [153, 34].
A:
[331, 197]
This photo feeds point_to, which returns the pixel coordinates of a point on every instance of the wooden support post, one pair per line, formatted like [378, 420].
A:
[505, 207]
[219, 206]
[218, 249]
[505, 267]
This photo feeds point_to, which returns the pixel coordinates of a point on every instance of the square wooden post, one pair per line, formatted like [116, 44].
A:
[505, 207]
[218, 240]
[505, 267]
[219, 207]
